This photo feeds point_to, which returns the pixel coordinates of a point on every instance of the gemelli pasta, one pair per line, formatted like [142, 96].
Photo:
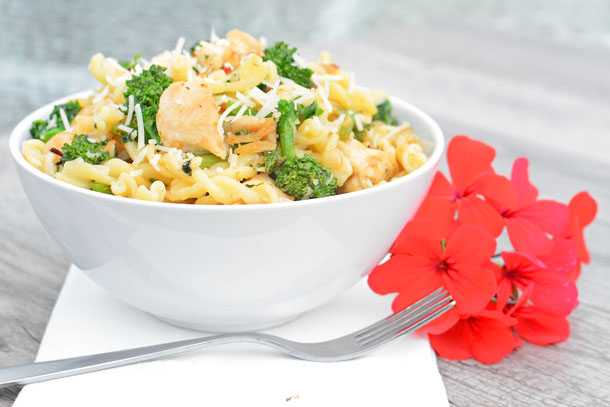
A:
[228, 121]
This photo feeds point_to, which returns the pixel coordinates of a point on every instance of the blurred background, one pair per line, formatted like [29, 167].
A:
[529, 77]
[538, 60]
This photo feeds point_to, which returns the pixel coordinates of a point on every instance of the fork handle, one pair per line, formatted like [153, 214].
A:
[55, 369]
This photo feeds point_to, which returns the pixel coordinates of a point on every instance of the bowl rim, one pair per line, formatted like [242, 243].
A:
[16, 141]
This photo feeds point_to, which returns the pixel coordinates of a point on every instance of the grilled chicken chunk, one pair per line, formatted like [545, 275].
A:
[187, 119]
[370, 166]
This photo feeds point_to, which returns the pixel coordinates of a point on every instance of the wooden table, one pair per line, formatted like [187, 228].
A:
[525, 96]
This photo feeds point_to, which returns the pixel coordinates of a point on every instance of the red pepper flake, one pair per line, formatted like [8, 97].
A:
[227, 69]
[56, 151]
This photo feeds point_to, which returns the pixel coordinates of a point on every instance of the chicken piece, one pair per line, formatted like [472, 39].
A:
[187, 119]
[261, 135]
[370, 166]
[245, 43]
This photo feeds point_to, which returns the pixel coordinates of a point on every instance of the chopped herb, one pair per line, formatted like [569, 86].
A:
[186, 168]
[262, 87]
[305, 112]
[130, 64]
[91, 152]
[282, 56]
[384, 113]
[99, 187]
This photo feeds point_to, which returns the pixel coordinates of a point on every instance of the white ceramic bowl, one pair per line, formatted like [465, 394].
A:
[227, 268]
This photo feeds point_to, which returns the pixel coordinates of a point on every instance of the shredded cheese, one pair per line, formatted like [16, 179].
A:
[64, 119]
[179, 45]
[244, 99]
[326, 77]
[130, 109]
[140, 121]
[240, 113]
[101, 95]
[224, 116]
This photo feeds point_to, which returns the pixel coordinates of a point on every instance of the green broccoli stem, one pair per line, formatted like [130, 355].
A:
[286, 129]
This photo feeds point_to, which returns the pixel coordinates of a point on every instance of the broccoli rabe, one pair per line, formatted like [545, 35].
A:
[282, 56]
[130, 64]
[302, 177]
[91, 152]
[384, 113]
[45, 129]
[146, 89]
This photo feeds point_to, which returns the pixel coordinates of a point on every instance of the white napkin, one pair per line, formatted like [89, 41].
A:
[86, 319]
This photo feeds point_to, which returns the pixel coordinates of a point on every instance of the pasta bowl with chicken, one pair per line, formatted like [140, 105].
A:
[149, 182]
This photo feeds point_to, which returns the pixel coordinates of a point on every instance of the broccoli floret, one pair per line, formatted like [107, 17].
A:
[305, 178]
[91, 152]
[45, 129]
[282, 56]
[146, 89]
[302, 177]
[384, 113]
[130, 64]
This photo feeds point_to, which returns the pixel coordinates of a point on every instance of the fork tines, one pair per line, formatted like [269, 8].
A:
[407, 320]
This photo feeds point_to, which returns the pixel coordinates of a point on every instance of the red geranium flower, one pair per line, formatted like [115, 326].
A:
[426, 257]
[552, 292]
[485, 335]
[473, 178]
[582, 209]
[529, 220]
[537, 326]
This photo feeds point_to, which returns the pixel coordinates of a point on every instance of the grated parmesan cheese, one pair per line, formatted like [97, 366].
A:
[98, 98]
[179, 45]
[352, 81]
[140, 121]
[326, 77]
[136, 173]
[244, 99]
[240, 113]
[224, 115]
[155, 161]
[130, 109]
[64, 119]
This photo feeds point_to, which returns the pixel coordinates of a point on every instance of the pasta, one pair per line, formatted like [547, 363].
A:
[229, 121]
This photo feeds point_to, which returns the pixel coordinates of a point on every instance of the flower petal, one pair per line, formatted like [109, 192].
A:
[472, 289]
[473, 210]
[496, 188]
[563, 258]
[453, 344]
[419, 237]
[467, 159]
[526, 192]
[540, 328]
[396, 273]
[553, 293]
[550, 216]
[469, 245]
[527, 237]
[584, 206]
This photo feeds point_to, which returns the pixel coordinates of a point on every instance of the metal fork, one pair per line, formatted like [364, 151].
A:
[346, 347]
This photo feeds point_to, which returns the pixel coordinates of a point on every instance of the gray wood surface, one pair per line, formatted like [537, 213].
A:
[526, 96]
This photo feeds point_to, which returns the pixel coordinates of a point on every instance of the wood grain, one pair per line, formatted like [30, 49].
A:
[526, 97]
